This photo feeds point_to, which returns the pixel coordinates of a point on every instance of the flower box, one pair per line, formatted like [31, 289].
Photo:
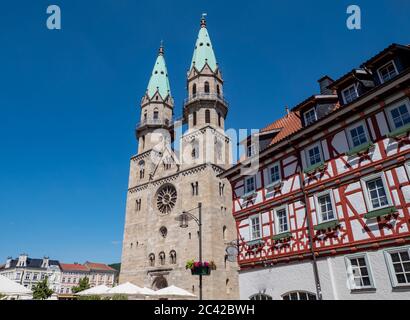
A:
[380, 212]
[400, 131]
[201, 271]
[200, 268]
[248, 195]
[274, 186]
[359, 149]
[327, 225]
[281, 236]
[316, 167]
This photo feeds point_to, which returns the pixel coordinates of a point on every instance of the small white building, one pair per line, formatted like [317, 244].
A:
[28, 271]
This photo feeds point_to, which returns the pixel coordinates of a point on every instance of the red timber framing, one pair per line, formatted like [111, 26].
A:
[343, 176]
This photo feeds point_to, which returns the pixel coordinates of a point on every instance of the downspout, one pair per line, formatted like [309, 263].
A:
[310, 230]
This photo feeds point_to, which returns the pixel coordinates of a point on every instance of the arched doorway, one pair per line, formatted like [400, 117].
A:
[159, 283]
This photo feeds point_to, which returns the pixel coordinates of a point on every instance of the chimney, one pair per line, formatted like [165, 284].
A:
[8, 263]
[324, 82]
[287, 111]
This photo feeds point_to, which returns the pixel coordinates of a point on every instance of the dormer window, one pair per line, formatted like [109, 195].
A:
[387, 72]
[310, 116]
[251, 151]
[350, 93]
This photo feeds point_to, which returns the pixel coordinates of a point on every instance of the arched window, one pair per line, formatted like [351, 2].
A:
[194, 118]
[206, 87]
[219, 119]
[299, 295]
[195, 150]
[145, 116]
[218, 90]
[194, 90]
[173, 257]
[207, 116]
[224, 232]
[156, 114]
[162, 258]
[142, 169]
[260, 296]
[151, 260]
[219, 151]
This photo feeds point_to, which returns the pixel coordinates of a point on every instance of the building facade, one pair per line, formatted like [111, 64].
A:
[28, 271]
[322, 199]
[170, 175]
[97, 274]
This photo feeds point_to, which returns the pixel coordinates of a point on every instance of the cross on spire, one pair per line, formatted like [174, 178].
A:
[203, 20]
[161, 48]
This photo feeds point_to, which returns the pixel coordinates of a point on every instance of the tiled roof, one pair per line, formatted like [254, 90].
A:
[33, 263]
[393, 46]
[288, 125]
[73, 267]
[98, 266]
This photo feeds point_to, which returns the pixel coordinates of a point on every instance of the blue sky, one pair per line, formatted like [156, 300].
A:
[69, 99]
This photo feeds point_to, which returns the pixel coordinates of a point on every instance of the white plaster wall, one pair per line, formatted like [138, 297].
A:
[298, 276]
[277, 280]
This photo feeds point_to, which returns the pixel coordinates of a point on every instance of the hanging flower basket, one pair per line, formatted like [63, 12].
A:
[199, 268]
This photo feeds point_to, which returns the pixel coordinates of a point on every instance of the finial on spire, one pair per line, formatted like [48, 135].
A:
[203, 20]
[161, 48]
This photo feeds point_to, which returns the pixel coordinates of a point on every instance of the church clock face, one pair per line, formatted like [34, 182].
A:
[166, 199]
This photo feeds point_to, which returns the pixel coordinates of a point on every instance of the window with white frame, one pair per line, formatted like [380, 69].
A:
[376, 192]
[249, 185]
[274, 173]
[359, 272]
[350, 93]
[314, 155]
[281, 220]
[398, 262]
[387, 72]
[299, 295]
[260, 296]
[357, 135]
[255, 227]
[310, 116]
[325, 207]
[399, 114]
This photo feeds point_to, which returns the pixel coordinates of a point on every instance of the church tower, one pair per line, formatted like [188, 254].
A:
[156, 106]
[164, 183]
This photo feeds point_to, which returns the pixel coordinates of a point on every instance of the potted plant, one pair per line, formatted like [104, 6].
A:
[198, 268]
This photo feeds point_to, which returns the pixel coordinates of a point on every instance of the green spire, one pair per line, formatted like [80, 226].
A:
[203, 52]
[159, 78]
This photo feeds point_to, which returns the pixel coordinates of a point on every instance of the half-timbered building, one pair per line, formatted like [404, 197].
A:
[321, 200]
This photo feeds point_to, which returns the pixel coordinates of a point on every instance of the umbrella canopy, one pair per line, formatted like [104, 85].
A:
[148, 292]
[126, 288]
[94, 291]
[9, 287]
[174, 292]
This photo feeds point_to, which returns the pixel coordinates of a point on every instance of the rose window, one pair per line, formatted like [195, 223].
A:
[166, 199]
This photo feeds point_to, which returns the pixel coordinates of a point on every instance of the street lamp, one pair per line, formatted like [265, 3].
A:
[183, 219]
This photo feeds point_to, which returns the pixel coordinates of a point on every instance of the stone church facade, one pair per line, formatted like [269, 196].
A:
[170, 175]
